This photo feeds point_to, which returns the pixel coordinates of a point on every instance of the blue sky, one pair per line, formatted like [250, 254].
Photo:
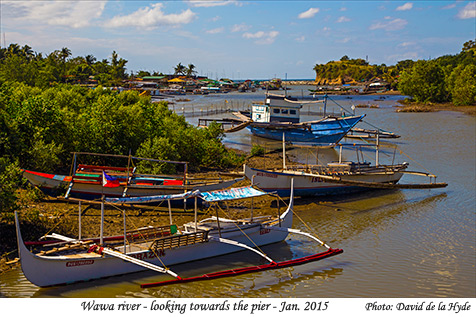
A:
[241, 39]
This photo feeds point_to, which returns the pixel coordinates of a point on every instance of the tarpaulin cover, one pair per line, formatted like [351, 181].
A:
[233, 193]
[151, 199]
[217, 195]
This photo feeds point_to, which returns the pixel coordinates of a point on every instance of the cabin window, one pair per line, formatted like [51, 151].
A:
[292, 111]
[284, 111]
[275, 110]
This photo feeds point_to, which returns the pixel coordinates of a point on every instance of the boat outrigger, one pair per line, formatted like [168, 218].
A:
[157, 248]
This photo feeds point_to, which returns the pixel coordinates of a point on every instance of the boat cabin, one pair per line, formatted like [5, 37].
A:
[276, 109]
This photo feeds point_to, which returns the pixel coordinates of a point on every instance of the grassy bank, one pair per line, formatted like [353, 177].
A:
[411, 106]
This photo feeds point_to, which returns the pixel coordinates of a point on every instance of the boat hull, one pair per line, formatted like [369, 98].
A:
[51, 184]
[325, 132]
[306, 185]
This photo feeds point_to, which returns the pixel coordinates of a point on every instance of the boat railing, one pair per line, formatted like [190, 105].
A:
[180, 240]
[150, 233]
[345, 168]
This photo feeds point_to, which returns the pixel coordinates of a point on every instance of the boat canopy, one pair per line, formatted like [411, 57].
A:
[217, 195]
[152, 199]
[232, 193]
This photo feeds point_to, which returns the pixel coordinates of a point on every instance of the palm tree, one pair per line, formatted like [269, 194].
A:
[27, 52]
[65, 53]
[180, 69]
[13, 49]
[90, 59]
[191, 70]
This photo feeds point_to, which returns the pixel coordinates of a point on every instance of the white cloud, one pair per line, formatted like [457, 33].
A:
[406, 44]
[449, 6]
[240, 27]
[308, 14]
[262, 37]
[343, 19]
[343, 40]
[74, 14]
[151, 17]
[216, 31]
[400, 57]
[212, 3]
[390, 24]
[405, 7]
[468, 12]
[300, 38]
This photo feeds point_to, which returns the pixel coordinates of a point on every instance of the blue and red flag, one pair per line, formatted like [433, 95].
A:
[109, 181]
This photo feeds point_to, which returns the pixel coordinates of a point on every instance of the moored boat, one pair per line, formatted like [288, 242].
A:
[157, 248]
[280, 114]
[335, 178]
[87, 181]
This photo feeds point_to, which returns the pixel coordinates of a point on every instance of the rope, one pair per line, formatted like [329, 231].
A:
[304, 223]
[401, 152]
[251, 240]
[142, 236]
[62, 219]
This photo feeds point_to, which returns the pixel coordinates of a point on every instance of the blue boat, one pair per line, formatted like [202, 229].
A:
[280, 115]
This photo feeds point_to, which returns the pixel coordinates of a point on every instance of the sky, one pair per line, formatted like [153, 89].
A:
[241, 39]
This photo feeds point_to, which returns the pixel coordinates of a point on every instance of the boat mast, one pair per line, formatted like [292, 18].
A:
[325, 104]
[79, 221]
[284, 152]
[125, 231]
[101, 234]
[340, 153]
[376, 153]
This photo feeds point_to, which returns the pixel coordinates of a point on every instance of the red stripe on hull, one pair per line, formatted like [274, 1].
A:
[251, 269]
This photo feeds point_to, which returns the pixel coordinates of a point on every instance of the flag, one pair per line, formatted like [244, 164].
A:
[109, 181]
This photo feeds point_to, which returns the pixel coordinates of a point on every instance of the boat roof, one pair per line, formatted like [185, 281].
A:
[217, 195]
[232, 194]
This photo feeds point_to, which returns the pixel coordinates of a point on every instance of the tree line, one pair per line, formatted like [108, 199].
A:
[45, 116]
[449, 78]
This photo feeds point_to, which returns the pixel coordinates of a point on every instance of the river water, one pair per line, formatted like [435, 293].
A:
[397, 243]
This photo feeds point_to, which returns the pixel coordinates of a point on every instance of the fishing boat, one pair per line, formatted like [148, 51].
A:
[87, 181]
[157, 248]
[280, 114]
[335, 178]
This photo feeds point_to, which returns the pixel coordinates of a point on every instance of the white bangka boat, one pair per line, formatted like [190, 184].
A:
[157, 248]
[335, 178]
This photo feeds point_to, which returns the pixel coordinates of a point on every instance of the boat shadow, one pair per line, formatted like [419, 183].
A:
[344, 197]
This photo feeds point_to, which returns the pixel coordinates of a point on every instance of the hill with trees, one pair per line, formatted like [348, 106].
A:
[449, 78]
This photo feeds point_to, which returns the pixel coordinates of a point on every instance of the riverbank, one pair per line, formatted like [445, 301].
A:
[409, 106]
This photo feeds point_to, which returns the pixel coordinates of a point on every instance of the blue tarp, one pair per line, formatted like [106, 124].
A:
[152, 199]
[233, 193]
[217, 195]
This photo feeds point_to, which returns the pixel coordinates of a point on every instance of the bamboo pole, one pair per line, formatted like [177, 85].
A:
[79, 222]
[101, 234]
[170, 211]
